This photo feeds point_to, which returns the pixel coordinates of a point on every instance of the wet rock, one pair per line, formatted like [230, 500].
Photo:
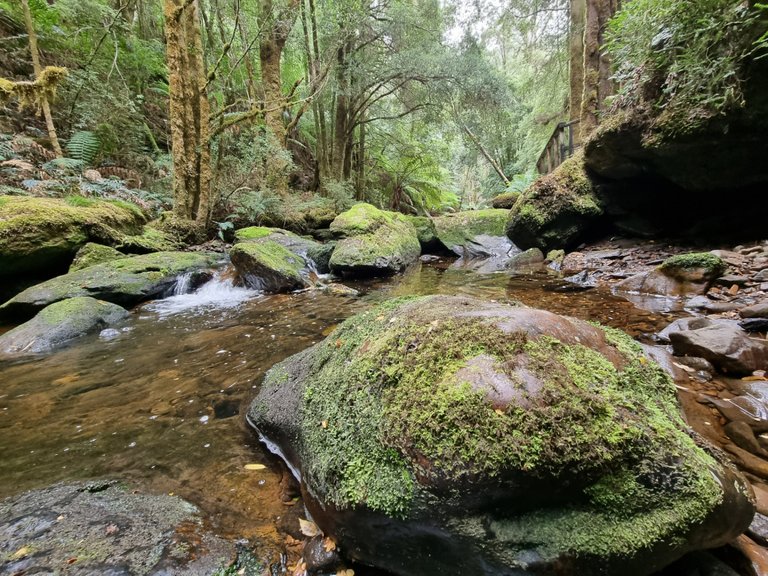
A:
[125, 282]
[305, 248]
[755, 311]
[374, 242]
[679, 275]
[101, 528]
[755, 554]
[429, 258]
[556, 211]
[731, 279]
[475, 233]
[581, 281]
[92, 254]
[761, 276]
[425, 231]
[699, 564]
[592, 261]
[728, 348]
[531, 258]
[555, 259]
[754, 325]
[320, 558]
[56, 325]
[269, 266]
[447, 435]
[758, 530]
[691, 323]
[40, 236]
[744, 437]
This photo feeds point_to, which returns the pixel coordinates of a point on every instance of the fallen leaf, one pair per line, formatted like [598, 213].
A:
[753, 378]
[499, 411]
[324, 423]
[111, 529]
[684, 367]
[379, 318]
[308, 528]
[71, 560]
[21, 552]
[255, 467]
[329, 545]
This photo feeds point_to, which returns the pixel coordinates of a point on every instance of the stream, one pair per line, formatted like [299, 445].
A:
[159, 401]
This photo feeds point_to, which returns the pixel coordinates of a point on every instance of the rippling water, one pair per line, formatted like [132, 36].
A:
[159, 400]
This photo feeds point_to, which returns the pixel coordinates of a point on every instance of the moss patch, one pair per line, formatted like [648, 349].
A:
[713, 266]
[92, 254]
[460, 228]
[505, 201]
[252, 233]
[360, 219]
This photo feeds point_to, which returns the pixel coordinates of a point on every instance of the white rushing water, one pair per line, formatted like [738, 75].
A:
[218, 293]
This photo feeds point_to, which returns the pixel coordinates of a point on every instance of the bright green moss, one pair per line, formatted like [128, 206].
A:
[713, 265]
[360, 219]
[458, 229]
[273, 256]
[80, 201]
[252, 233]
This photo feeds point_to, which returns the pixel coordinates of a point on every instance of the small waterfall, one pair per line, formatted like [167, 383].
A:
[218, 293]
[182, 284]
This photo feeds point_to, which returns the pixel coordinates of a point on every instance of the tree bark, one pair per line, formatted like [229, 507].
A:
[189, 111]
[576, 50]
[45, 105]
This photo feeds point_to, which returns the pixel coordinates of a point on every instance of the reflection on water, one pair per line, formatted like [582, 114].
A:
[159, 404]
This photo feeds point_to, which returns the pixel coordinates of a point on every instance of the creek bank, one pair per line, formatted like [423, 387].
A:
[425, 427]
[102, 527]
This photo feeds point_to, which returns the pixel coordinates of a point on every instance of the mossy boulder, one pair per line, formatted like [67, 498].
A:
[58, 324]
[126, 282]
[470, 233]
[559, 210]
[308, 249]
[425, 231]
[373, 242]
[448, 435]
[269, 266]
[92, 254]
[40, 236]
[678, 276]
[505, 201]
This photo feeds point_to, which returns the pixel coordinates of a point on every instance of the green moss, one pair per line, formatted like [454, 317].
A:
[425, 228]
[506, 200]
[150, 240]
[360, 219]
[91, 254]
[80, 201]
[272, 256]
[712, 264]
[252, 233]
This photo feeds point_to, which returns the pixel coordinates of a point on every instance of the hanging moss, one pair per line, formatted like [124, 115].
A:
[33, 94]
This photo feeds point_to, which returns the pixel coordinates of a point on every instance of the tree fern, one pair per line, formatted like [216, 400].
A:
[83, 146]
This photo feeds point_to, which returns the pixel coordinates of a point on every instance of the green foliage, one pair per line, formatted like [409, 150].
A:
[83, 146]
[684, 58]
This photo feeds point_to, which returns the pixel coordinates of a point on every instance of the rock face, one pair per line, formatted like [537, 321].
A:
[268, 266]
[59, 323]
[447, 435]
[39, 236]
[558, 211]
[100, 528]
[92, 254]
[425, 231]
[681, 275]
[309, 250]
[125, 282]
[373, 242]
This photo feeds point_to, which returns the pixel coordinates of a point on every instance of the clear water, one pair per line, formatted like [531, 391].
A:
[160, 402]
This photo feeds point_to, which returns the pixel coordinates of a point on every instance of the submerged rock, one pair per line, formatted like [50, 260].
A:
[126, 282]
[559, 210]
[39, 236]
[373, 242]
[59, 323]
[447, 435]
[269, 266]
[102, 528]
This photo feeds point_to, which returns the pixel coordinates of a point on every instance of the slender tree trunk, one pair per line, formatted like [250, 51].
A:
[341, 127]
[189, 111]
[318, 102]
[576, 49]
[46, 106]
[597, 69]
[360, 185]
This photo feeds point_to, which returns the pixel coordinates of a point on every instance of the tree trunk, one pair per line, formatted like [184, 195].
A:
[597, 69]
[341, 124]
[576, 49]
[46, 106]
[189, 111]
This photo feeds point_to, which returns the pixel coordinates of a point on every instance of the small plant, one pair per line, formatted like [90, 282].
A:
[83, 146]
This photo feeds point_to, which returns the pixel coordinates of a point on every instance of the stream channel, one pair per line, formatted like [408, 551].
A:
[160, 401]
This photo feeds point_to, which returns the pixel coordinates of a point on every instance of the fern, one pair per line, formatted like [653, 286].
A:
[83, 146]
[63, 165]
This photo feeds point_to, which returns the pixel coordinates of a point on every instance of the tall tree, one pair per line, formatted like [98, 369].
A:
[44, 102]
[189, 111]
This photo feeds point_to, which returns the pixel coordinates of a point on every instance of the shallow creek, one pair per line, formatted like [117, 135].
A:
[159, 401]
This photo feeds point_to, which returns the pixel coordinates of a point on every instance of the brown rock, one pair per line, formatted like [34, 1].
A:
[727, 347]
[759, 310]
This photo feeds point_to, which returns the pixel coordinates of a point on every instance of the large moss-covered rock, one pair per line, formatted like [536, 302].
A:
[680, 275]
[559, 210]
[269, 266]
[125, 282]
[58, 324]
[446, 435]
[425, 231]
[373, 242]
[92, 254]
[40, 236]
[470, 233]
[315, 254]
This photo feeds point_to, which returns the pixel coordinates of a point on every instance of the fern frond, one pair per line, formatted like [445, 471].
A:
[83, 146]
